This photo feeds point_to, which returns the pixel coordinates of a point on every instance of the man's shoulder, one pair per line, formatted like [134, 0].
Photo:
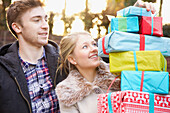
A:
[51, 47]
[52, 43]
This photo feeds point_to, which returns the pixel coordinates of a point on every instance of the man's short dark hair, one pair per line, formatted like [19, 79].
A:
[17, 8]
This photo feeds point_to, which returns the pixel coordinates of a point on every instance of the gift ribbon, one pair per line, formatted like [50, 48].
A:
[109, 103]
[121, 95]
[112, 83]
[152, 25]
[141, 11]
[104, 50]
[142, 79]
[151, 103]
[122, 24]
[109, 96]
[142, 42]
[135, 60]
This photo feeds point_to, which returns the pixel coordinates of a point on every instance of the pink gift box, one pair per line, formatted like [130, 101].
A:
[133, 102]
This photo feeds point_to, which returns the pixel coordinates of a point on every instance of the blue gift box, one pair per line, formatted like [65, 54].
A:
[133, 11]
[126, 24]
[122, 41]
[146, 81]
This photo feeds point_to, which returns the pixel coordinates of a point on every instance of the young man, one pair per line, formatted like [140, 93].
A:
[28, 66]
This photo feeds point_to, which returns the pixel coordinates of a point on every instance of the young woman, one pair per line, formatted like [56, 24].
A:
[88, 75]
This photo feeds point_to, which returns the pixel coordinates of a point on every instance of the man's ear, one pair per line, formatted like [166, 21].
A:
[72, 60]
[16, 27]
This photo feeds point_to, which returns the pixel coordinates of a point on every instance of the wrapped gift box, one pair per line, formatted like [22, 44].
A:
[126, 24]
[151, 26]
[122, 41]
[137, 61]
[133, 11]
[133, 102]
[146, 81]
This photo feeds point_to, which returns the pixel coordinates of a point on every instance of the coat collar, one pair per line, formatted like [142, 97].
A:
[75, 87]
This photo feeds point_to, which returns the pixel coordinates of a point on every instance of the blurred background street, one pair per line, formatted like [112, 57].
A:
[67, 16]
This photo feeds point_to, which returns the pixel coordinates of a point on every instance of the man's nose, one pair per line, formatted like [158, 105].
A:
[45, 24]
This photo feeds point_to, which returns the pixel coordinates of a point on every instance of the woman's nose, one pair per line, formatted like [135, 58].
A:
[94, 48]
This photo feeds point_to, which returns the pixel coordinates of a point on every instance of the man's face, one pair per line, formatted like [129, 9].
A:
[35, 29]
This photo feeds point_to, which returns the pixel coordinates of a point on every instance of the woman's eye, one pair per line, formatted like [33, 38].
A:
[94, 44]
[85, 46]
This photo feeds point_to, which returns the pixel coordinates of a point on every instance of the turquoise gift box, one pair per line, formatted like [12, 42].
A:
[145, 81]
[133, 11]
[126, 24]
[117, 41]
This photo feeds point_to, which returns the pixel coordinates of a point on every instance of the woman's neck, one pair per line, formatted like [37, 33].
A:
[89, 74]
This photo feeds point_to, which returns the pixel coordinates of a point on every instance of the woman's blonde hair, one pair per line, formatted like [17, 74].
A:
[67, 45]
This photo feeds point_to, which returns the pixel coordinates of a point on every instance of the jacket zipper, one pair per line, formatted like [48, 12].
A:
[23, 95]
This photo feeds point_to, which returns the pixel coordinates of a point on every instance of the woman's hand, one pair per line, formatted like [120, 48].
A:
[148, 5]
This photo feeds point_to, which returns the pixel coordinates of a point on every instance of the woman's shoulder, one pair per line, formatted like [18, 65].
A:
[72, 89]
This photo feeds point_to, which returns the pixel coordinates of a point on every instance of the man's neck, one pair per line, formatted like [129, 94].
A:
[30, 54]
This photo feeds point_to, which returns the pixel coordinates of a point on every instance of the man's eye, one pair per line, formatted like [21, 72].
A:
[36, 20]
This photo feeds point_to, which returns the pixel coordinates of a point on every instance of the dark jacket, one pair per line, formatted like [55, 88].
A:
[14, 95]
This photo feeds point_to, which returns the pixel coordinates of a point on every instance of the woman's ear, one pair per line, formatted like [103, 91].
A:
[16, 27]
[72, 60]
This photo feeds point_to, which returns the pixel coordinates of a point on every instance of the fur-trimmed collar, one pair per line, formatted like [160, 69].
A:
[75, 87]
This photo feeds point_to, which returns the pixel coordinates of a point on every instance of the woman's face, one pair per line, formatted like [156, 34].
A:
[85, 53]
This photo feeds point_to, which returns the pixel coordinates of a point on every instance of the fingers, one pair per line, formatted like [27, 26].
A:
[152, 8]
[148, 5]
[139, 3]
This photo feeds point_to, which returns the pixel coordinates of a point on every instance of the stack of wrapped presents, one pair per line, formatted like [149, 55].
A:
[136, 50]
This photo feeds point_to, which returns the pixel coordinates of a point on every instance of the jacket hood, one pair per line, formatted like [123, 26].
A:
[75, 87]
[8, 56]
[4, 49]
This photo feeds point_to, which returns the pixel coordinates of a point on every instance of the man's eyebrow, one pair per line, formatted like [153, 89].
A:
[39, 16]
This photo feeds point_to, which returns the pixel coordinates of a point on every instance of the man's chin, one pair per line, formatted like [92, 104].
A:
[43, 43]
